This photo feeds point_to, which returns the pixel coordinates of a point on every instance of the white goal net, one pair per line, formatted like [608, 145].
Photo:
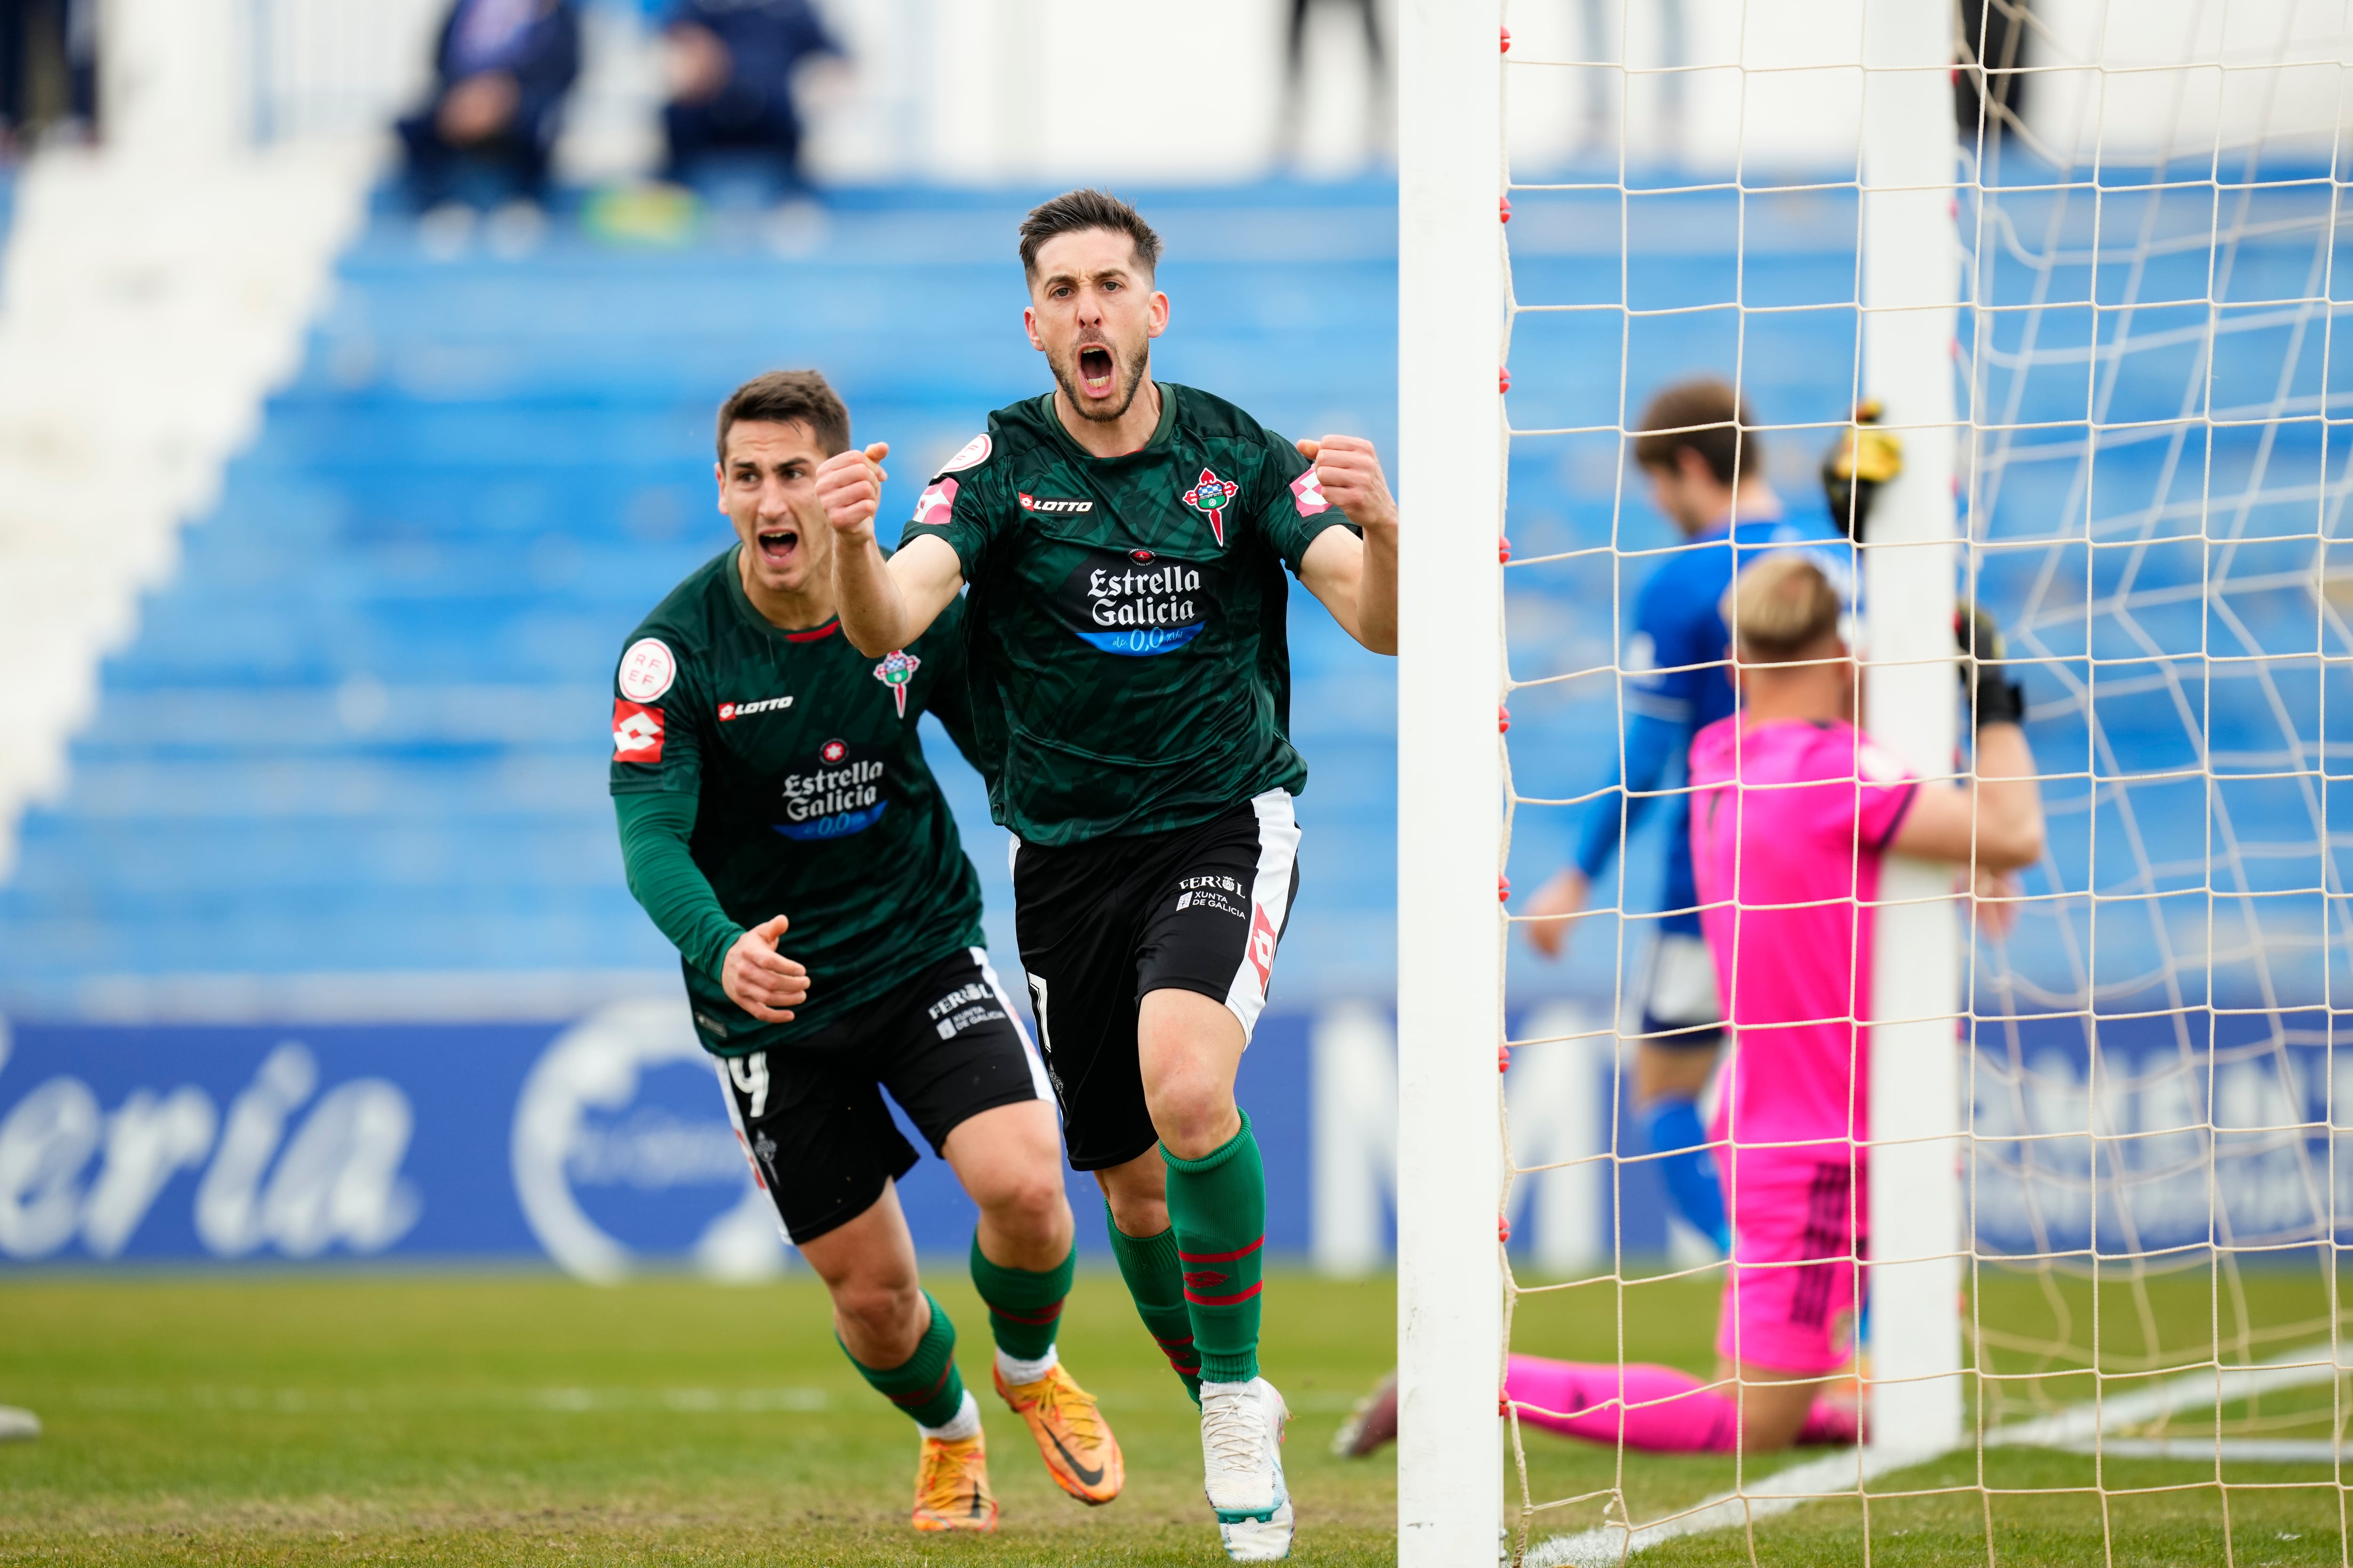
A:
[2090, 275]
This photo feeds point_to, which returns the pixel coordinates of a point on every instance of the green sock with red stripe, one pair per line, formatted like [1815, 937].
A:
[928, 1387]
[1217, 1206]
[1156, 1280]
[1025, 1305]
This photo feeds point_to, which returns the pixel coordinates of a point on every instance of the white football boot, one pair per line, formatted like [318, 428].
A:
[1241, 1463]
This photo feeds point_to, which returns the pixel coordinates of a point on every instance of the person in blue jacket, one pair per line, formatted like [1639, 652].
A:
[733, 63]
[1705, 463]
[501, 70]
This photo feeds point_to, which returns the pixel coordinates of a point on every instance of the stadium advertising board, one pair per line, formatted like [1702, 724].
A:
[601, 1146]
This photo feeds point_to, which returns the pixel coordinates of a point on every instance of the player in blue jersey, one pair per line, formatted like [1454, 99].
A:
[1697, 447]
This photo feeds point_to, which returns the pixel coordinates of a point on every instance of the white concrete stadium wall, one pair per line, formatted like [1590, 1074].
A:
[986, 92]
[153, 294]
[1797, 103]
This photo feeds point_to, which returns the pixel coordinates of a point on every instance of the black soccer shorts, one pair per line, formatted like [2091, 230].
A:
[948, 1046]
[1193, 909]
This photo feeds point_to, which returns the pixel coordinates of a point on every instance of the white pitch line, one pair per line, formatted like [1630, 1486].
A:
[1846, 1472]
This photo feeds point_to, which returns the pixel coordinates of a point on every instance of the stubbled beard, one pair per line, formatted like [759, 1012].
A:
[1130, 375]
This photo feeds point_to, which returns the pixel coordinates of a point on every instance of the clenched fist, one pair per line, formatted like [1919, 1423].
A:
[849, 486]
[1349, 472]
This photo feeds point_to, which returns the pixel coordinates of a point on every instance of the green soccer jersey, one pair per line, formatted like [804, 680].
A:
[814, 801]
[1130, 669]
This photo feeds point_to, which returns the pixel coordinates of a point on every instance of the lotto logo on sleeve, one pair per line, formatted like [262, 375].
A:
[1307, 494]
[637, 732]
[935, 504]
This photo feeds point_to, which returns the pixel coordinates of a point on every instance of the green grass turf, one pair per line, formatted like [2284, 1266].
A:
[2033, 1507]
[385, 1418]
[394, 1418]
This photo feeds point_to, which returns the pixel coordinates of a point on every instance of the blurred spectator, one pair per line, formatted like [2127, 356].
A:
[49, 70]
[501, 70]
[1294, 69]
[732, 65]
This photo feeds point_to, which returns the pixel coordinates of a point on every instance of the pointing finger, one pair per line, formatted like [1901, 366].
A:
[877, 450]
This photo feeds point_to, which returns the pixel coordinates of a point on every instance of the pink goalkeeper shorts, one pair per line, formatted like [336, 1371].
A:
[1791, 1290]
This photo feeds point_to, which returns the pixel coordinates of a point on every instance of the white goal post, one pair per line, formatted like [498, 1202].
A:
[1454, 337]
[1451, 924]
[1911, 277]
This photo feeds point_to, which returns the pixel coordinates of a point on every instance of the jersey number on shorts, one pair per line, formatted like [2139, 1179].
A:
[751, 1075]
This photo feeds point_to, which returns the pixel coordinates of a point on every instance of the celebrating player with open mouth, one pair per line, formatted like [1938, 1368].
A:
[1124, 540]
[769, 777]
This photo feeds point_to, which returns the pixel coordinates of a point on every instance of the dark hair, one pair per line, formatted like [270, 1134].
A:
[1074, 210]
[782, 396]
[1706, 415]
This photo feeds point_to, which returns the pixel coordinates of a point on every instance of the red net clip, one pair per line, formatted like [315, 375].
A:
[1503, 551]
[1503, 721]
[1502, 1059]
[1504, 207]
[1507, 41]
[1503, 379]
[1502, 1228]
[1503, 890]
[1502, 1405]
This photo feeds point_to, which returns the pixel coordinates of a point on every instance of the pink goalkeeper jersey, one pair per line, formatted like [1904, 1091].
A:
[1789, 823]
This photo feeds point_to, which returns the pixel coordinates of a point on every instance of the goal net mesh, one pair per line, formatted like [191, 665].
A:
[2152, 507]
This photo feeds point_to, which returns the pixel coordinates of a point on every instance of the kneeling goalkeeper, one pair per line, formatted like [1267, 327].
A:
[768, 776]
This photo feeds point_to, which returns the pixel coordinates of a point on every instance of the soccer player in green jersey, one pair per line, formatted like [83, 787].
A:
[770, 784]
[1124, 540]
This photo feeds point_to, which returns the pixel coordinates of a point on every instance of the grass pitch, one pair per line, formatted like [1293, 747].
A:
[482, 1419]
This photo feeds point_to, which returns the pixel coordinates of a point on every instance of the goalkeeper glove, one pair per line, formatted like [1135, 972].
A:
[1994, 698]
[1864, 459]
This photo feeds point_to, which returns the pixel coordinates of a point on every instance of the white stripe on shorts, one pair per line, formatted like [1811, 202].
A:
[759, 1073]
[1278, 852]
[1029, 1050]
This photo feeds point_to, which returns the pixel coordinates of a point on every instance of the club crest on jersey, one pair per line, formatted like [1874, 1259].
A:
[1208, 497]
[895, 671]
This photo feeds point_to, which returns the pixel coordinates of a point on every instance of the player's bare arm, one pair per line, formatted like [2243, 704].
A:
[759, 979]
[1547, 916]
[883, 604]
[1355, 578]
[1994, 822]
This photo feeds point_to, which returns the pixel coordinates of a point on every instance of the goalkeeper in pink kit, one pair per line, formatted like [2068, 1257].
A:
[1792, 811]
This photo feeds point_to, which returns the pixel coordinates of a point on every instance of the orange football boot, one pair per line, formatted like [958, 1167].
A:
[1074, 1439]
[952, 1486]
